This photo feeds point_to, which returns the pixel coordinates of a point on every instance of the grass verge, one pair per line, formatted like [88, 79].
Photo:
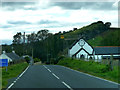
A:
[93, 68]
[12, 71]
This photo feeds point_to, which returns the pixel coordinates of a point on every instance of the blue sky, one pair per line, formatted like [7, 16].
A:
[53, 15]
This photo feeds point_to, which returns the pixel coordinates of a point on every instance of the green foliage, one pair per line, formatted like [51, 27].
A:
[111, 39]
[36, 60]
[95, 41]
[12, 71]
[91, 67]
[107, 38]
[27, 59]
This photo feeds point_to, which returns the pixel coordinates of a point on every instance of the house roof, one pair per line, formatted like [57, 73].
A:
[77, 41]
[13, 56]
[107, 50]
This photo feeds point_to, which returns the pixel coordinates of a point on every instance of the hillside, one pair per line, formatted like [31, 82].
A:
[107, 38]
[97, 34]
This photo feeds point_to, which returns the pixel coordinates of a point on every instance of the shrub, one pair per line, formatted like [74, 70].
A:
[37, 60]
[27, 59]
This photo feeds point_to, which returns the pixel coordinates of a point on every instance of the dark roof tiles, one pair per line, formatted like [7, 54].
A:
[107, 50]
[13, 56]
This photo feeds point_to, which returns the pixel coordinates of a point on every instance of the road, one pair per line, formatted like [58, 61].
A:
[55, 76]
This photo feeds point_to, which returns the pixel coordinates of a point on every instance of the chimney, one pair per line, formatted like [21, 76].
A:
[4, 52]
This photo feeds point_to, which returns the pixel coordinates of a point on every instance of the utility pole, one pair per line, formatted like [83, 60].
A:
[32, 52]
[24, 43]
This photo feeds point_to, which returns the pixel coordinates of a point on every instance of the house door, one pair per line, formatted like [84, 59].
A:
[82, 56]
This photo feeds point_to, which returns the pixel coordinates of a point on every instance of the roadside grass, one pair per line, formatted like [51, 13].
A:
[12, 71]
[93, 68]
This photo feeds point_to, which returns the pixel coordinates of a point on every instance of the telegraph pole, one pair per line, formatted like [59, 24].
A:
[32, 52]
[24, 43]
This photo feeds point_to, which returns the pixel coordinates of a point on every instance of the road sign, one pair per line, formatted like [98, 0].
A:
[62, 37]
[3, 62]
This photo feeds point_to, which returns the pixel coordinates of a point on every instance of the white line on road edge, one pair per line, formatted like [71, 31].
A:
[67, 86]
[92, 76]
[55, 76]
[17, 78]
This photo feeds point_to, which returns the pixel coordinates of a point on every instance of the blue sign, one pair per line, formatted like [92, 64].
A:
[3, 62]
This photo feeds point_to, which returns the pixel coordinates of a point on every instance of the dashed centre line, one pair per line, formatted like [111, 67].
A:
[67, 85]
[55, 76]
[49, 70]
[58, 78]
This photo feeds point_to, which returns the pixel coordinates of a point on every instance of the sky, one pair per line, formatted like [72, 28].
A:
[54, 15]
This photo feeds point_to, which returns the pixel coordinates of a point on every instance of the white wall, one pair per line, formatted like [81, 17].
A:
[80, 53]
[77, 47]
[3, 56]
[88, 48]
[74, 49]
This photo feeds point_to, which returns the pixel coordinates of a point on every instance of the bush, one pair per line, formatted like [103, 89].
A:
[36, 60]
[27, 59]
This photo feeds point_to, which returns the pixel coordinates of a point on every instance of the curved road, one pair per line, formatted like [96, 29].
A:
[55, 76]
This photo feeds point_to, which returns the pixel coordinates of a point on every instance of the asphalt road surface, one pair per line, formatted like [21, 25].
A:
[55, 76]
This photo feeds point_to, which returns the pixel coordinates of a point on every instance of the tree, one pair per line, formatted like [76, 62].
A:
[17, 39]
[107, 24]
[42, 34]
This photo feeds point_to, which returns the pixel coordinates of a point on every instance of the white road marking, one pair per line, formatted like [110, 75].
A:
[45, 66]
[14, 81]
[67, 85]
[17, 78]
[49, 70]
[58, 78]
[10, 86]
[55, 76]
[92, 76]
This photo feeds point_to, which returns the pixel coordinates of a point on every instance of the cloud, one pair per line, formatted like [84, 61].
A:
[47, 22]
[55, 16]
[18, 22]
[86, 5]
[11, 6]
[6, 26]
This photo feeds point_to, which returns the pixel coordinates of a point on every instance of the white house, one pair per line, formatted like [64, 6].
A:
[12, 57]
[82, 49]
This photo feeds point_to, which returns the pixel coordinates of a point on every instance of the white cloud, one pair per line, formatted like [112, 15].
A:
[67, 19]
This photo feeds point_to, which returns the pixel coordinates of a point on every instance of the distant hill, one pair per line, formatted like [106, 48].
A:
[97, 34]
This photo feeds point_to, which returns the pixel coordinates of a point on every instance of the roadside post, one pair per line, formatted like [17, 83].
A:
[4, 63]
[62, 38]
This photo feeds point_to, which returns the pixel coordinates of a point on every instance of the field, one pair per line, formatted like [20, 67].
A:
[12, 71]
[93, 68]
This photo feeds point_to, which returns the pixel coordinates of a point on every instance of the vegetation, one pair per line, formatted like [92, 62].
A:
[108, 38]
[27, 59]
[12, 71]
[36, 60]
[48, 47]
[91, 67]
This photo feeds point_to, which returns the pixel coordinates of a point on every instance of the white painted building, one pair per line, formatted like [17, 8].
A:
[12, 57]
[82, 49]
